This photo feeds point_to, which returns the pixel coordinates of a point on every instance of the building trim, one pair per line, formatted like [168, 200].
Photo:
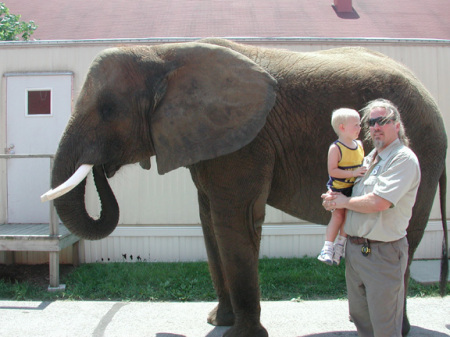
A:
[34, 73]
[268, 229]
[158, 40]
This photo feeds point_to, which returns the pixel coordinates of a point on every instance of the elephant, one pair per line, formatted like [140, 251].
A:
[252, 124]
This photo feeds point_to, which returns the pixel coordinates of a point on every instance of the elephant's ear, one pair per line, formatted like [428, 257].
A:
[216, 102]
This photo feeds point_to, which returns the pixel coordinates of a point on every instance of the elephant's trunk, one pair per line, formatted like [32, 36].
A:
[71, 207]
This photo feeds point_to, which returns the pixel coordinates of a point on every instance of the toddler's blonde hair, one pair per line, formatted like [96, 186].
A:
[340, 116]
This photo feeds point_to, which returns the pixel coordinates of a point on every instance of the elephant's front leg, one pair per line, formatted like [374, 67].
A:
[234, 191]
[222, 314]
[238, 236]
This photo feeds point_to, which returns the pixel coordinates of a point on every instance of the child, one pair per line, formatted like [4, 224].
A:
[345, 158]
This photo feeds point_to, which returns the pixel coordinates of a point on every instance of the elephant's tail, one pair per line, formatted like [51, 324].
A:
[444, 258]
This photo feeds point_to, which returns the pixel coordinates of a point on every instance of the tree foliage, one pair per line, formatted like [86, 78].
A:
[11, 28]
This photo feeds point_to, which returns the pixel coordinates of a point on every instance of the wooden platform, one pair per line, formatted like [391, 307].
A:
[34, 237]
[37, 237]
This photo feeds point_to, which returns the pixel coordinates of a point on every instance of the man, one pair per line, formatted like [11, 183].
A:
[378, 214]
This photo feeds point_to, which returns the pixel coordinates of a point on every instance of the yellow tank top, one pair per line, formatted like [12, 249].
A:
[351, 159]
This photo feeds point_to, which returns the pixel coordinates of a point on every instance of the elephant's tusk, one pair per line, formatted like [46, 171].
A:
[69, 184]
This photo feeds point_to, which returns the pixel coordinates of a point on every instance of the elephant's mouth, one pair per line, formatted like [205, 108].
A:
[111, 169]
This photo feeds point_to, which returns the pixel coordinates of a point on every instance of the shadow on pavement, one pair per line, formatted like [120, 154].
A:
[40, 306]
[216, 332]
[415, 331]
[332, 334]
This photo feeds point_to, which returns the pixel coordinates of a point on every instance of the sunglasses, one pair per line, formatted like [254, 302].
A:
[379, 120]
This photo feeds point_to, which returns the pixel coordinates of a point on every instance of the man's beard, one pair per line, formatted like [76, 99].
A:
[378, 144]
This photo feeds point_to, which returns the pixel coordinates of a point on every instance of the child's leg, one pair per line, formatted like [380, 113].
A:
[326, 255]
[339, 246]
[335, 225]
[342, 235]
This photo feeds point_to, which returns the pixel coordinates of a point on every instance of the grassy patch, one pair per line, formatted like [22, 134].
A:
[280, 279]
[306, 278]
[141, 281]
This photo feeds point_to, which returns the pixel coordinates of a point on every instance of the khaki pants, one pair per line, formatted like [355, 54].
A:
[375, 287]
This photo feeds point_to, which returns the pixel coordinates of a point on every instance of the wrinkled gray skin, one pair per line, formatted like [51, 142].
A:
[253, 127]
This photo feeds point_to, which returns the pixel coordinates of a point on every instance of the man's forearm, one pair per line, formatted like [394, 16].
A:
[370, 203]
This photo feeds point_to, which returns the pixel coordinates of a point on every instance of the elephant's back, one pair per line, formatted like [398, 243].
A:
[313, 84]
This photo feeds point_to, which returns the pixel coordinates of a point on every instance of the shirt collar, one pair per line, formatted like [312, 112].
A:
[385, 153]
[388, 150]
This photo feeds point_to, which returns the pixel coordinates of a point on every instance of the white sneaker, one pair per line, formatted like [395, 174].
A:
[338, 253]
[326, 255]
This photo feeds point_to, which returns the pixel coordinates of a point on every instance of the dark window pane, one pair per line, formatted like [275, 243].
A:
[39, 102]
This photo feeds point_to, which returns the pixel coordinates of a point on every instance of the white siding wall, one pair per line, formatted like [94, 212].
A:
[159, 214]
[175, 244]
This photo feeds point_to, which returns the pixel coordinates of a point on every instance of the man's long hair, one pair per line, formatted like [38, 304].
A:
[391, 113]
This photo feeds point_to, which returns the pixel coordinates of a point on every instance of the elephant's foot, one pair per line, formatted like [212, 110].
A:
[221, 315]
[405, 326]
[246, 331]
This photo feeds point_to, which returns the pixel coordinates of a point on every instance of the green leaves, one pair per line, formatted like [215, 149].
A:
[11, 27]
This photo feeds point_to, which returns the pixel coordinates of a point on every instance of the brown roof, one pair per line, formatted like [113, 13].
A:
[98, 19]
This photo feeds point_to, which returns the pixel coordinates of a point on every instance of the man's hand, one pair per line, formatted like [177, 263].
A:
[333, 200]
[369, 203]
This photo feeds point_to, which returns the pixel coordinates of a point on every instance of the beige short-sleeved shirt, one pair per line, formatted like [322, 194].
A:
[394, 176]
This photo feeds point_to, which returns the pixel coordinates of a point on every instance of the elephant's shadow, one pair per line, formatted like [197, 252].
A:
[414, 332]
[216, 332]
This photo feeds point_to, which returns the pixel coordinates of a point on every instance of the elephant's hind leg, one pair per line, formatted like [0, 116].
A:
[416, 228]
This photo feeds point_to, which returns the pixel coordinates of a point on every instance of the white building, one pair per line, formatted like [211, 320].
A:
[164, 225]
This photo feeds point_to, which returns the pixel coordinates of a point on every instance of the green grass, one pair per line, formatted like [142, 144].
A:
[280, 279]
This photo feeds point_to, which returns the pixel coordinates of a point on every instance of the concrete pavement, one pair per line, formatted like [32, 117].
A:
[429, 317]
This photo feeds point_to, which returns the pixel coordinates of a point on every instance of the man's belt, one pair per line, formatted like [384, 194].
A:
[360, 241]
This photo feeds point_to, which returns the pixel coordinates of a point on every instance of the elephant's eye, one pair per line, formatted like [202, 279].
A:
[107, 108]
[106, 113]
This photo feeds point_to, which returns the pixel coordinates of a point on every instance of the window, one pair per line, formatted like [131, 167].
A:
[39, 102]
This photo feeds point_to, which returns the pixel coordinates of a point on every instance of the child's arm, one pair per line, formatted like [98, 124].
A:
[334, 156]
[360, 171]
